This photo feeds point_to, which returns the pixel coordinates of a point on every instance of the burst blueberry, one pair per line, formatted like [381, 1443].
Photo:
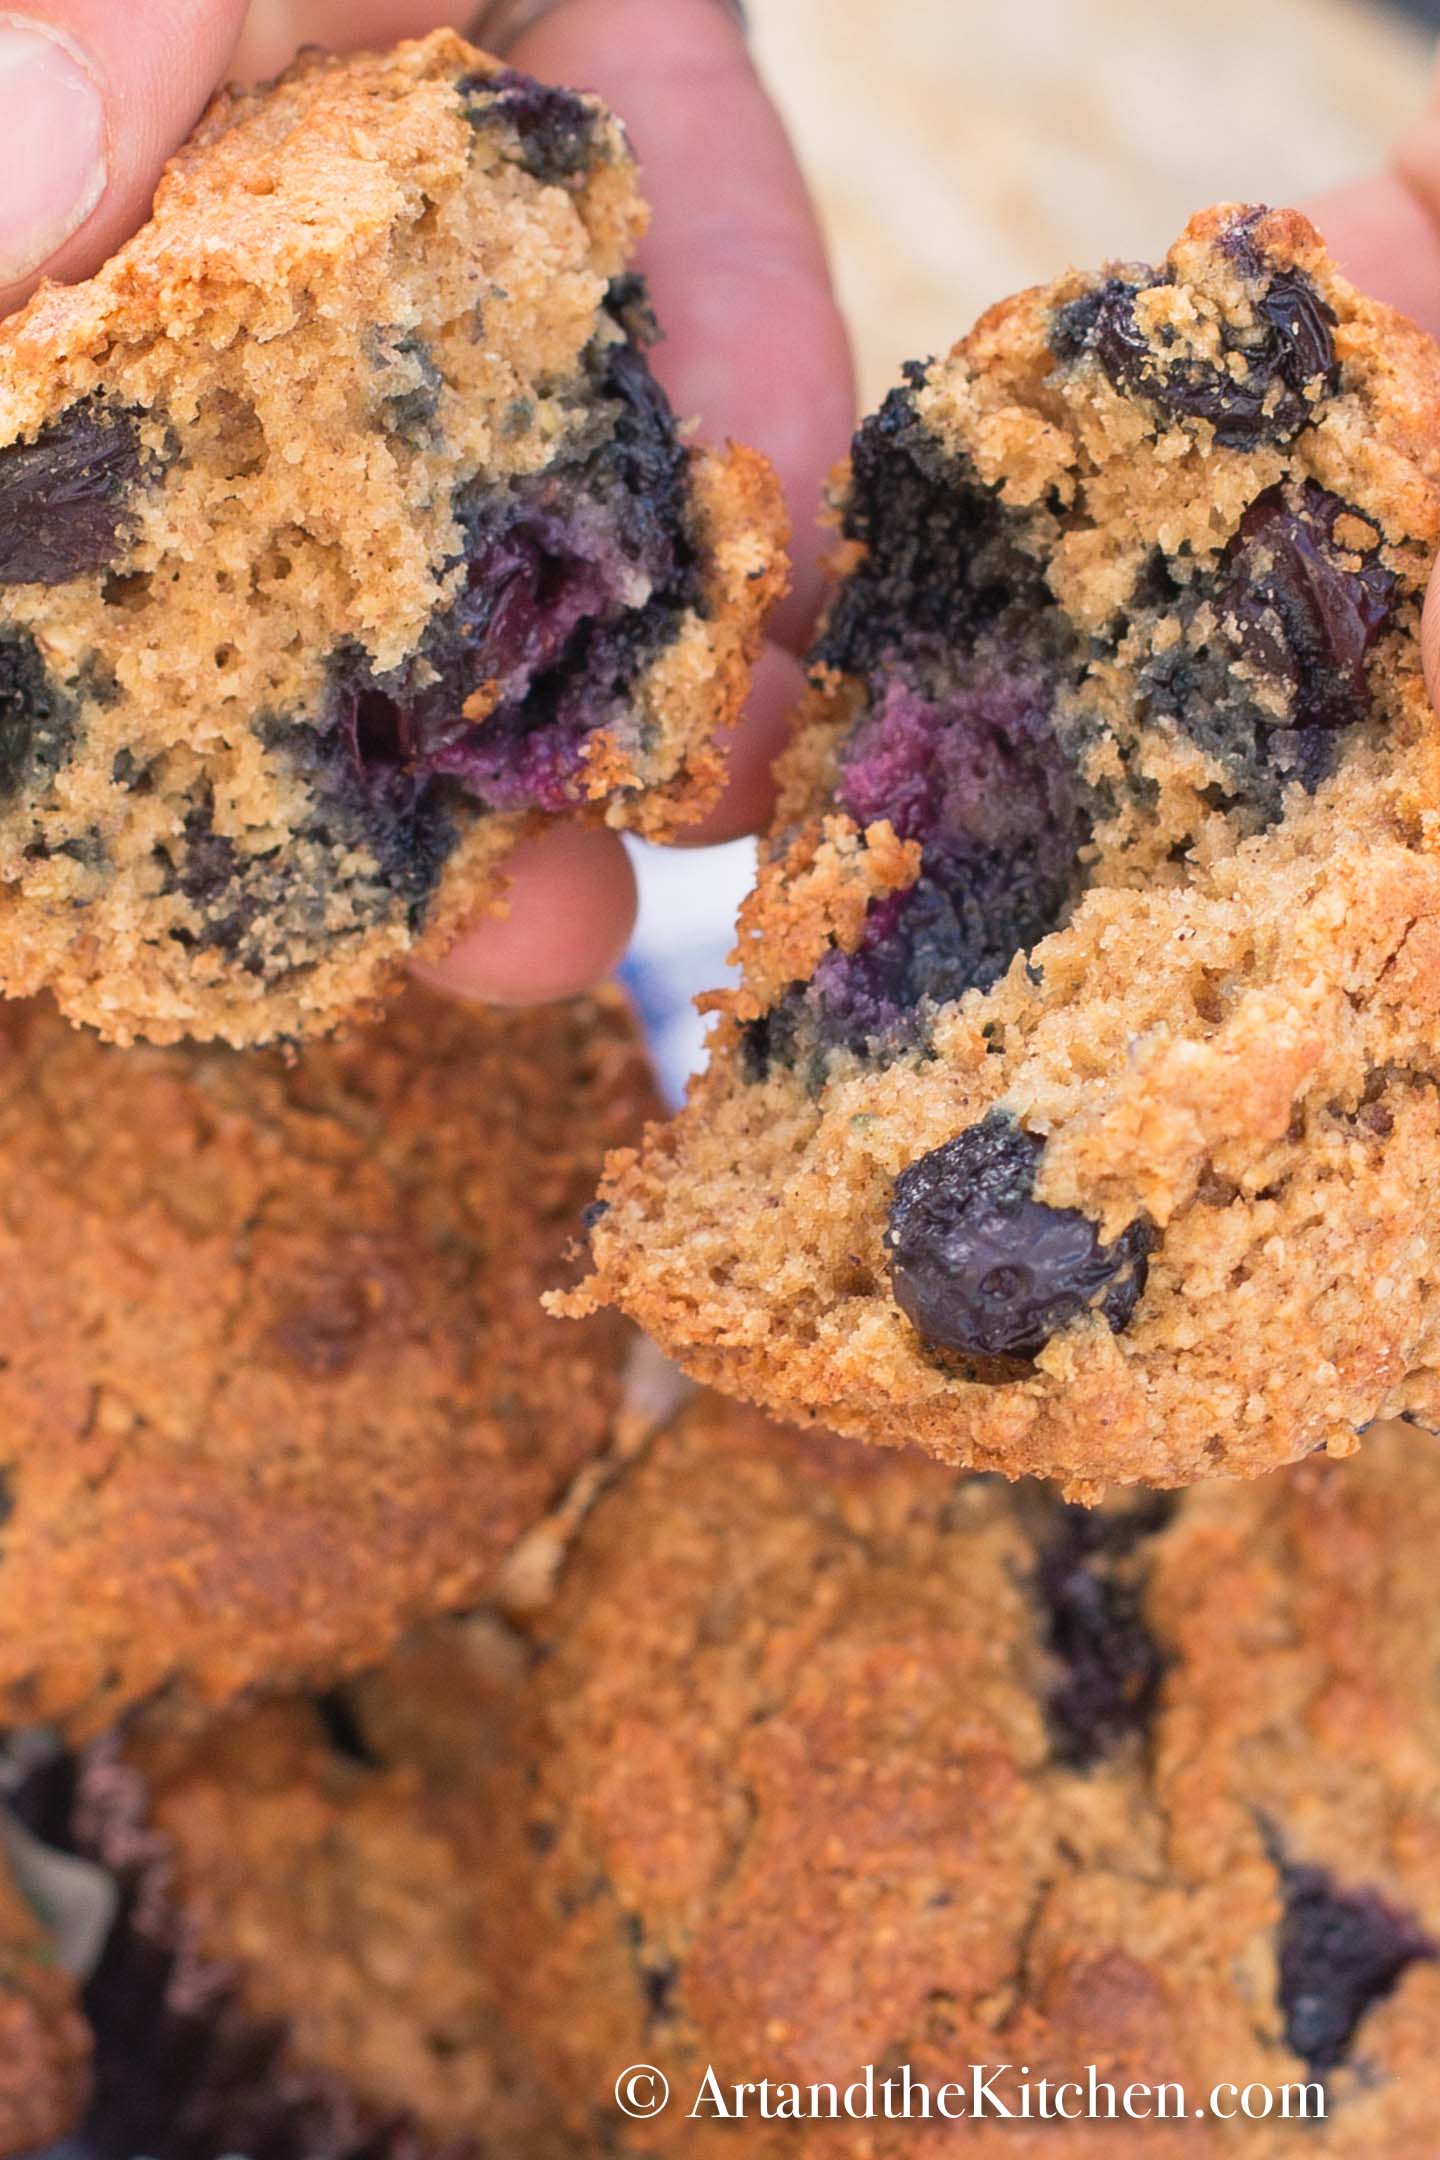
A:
[1266, 385]
[1110, 1665]
[1304, 603]
[1340, 1953]
[1275, 657]
[978, 1265]
[572, 582]
[555, 127]
[944, 562]
[64, 497]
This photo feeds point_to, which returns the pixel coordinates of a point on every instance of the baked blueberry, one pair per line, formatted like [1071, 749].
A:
[1341, 1952]
[981, 1266]
[64, 496]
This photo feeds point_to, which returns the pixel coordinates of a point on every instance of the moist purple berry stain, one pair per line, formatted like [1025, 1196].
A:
[571, 583]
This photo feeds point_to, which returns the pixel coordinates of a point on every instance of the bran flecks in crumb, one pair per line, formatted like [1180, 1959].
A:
[274, 1378]
[819, 1757]
[345, 537]
[1078, 1112]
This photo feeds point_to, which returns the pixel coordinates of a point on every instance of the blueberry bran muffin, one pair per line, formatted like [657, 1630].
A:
[345, 536]
[820, 1757]
[1077, 1113]
[45, 2044]
[274, 1376]
[295, 1970]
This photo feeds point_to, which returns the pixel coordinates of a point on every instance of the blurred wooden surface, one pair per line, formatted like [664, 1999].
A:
[963, 148]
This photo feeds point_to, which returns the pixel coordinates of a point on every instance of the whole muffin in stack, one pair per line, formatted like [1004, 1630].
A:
[274, 1378]
[819, 1759]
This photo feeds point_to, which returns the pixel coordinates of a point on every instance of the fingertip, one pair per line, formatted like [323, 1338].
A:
[572, 904]
[763, 731]
[94, 99]
[1384, 231]
[755, 347]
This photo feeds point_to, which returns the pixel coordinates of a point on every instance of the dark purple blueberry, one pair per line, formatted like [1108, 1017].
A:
[1110, 1664]
[547, 636]
[36, 720]
[1265, 387]
[556, 128]
[1302, 612]
[948, 621]
[979, 1265]
[63, 497]
[345, 1730]
[660, 1984]
[1341, 1952]
[210, 872]
[1302, 607]
[184, 2069]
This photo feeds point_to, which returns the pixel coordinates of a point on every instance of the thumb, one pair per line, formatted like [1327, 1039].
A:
[94, 96]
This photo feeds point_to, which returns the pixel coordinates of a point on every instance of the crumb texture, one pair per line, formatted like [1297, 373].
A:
[1106, 854]
[820, 1757]
[345, 536]
[274, 1377]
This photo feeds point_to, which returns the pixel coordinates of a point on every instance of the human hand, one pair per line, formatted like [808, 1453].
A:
[95, 97]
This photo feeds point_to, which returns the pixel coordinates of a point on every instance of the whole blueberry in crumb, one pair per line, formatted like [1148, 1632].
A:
[63, 497]
[1264, 387]
[1110, 1666]
[979, 1265]
[1340, 1953]
[556, 128]
[1304, 595]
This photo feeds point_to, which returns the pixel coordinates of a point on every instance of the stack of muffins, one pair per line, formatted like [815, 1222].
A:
[422, 1743]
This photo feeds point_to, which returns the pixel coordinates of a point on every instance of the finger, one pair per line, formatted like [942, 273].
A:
[572, 908]
[755, 347]
[276, 29]
[1385, 234]
[751, 752]
[93, 99]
